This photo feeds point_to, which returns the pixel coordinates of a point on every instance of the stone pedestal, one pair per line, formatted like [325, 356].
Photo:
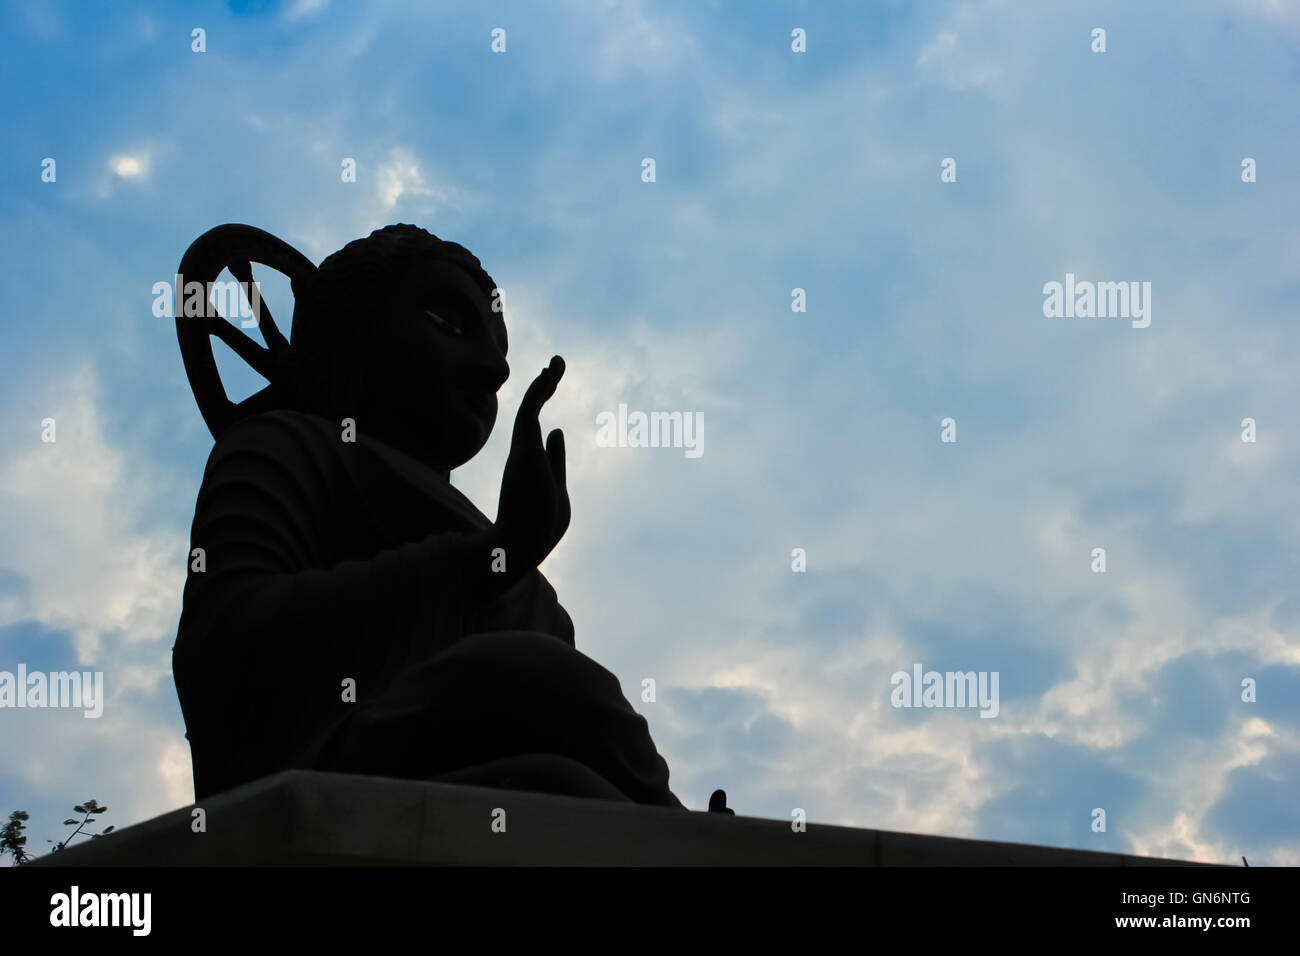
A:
[309, 818]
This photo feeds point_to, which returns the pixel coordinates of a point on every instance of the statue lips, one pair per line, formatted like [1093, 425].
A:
[479, 400]
[477, 403]
[478, 388]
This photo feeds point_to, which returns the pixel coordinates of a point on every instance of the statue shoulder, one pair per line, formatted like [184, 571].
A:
[277, 431]
[289, 443]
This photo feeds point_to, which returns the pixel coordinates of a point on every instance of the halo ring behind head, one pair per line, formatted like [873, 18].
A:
[233, 246]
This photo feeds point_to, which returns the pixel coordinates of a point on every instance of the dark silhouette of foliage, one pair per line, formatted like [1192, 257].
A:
[13, 840]
[89, 808]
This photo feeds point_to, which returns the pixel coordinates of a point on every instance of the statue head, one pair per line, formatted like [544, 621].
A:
[403, 332]
[400, 331]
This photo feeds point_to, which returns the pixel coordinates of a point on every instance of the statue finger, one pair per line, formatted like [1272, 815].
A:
[565, 514]
[530, 408]
[555, 452]
[551, 376]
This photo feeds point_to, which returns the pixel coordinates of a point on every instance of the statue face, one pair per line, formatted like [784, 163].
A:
[438, 376]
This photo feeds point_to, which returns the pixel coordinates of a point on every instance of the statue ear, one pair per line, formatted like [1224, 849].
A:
[346, 386]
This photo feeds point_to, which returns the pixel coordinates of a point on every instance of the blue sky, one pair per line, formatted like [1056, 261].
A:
[775, 170]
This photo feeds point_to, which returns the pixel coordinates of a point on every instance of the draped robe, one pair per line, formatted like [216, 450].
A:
[329, 561]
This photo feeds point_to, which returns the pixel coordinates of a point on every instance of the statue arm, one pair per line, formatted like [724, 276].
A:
[265, 516]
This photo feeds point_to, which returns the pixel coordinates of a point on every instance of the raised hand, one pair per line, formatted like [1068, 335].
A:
[533, 511]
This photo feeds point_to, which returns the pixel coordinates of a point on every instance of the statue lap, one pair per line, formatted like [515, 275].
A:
[510, 708]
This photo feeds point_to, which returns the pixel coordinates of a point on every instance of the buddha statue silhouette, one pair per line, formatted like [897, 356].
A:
[353, 611]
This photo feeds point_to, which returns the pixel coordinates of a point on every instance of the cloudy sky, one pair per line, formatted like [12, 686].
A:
[774, 170]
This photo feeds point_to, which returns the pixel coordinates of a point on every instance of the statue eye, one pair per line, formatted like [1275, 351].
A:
[447, 325]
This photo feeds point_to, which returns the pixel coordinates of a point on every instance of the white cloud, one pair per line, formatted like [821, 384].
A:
[304, 9]
[133, 166]
[126, 166]
[146, 28]
[73, 523]
[71, 509]
[962, 55]
[400, 178]
[1284, 12]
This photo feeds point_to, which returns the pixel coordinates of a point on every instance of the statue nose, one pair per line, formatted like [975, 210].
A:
[489, 376]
